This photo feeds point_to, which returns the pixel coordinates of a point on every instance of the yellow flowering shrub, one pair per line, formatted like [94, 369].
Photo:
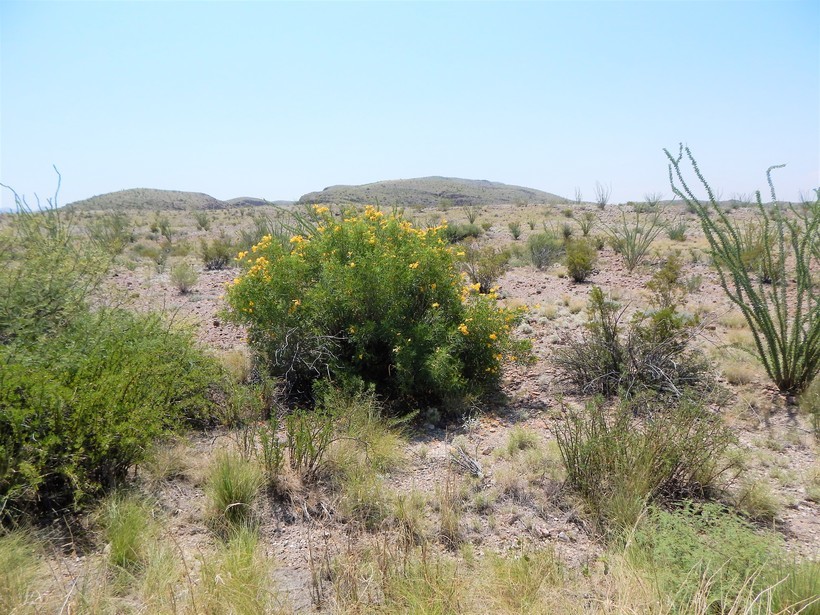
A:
[369, 296]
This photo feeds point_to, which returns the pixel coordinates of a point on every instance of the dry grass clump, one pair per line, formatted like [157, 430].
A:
[812, 483]
[232, 486]
[21, 572]
[739, 373]
[237, 580]
[128, 526]
[756, 499]
[733, 320]
[450, 504]
[238, 363]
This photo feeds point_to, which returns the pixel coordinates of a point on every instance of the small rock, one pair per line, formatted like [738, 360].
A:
[563, 536]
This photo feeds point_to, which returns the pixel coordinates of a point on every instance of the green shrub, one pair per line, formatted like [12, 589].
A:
[682, 547]
[677, 231]
[581, 259]
[111, 232]
[484, 265]
[454, 233]
[203, 223]
[545, 249]
[45, 277]
[79, 408]
[784, 315]
[184, 277]
[650, 352]
[667, 284]
[216, 254]
[472, 213]
[373, 298]
[82, 394]
[587, 223]
[642, 450]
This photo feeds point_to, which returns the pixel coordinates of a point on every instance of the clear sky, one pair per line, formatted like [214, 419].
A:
[278, 99]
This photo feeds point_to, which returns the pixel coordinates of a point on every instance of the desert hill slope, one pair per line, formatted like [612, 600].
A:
[159, 200]
[431, 192]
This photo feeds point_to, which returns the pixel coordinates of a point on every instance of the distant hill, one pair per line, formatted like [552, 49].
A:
[431, 192]
[155, 200]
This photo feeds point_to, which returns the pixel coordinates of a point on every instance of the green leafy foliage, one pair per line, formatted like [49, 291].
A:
[682, 547]
[581, 259]
[545, 249]
[371, 297]
[83, 394]
[79, 407]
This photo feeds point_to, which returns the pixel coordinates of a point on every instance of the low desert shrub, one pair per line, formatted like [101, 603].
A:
[587, 222]
[677, 231]
[184, 277]
[83, 394]
[649, 352]
[203, 222]
[80, 407]
[515, 229]
[581, 259]
[216, 254]
[484, 265]
[642, 450]
[370, 297]
[679, 548]
[454, 233]
[545, 249]
[111, 232]
[633, 238]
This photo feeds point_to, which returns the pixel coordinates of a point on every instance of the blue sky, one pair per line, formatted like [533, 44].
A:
[278, 99]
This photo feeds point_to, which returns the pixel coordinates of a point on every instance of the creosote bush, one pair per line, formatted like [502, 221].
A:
[216, 254]
[545, 249]
[184, 277]
[83, 393]
[484, 265]
[370, 297]
[581, 259]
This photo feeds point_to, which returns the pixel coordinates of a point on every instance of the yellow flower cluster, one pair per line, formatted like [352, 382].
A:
[320, 210]
[263, 243]
[464, 330]
[371, 213]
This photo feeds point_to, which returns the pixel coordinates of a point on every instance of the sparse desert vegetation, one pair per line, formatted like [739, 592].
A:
[464, 406]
